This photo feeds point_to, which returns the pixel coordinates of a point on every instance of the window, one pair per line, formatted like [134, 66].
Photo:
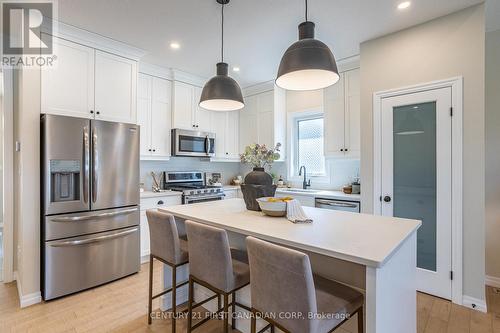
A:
[308, 145]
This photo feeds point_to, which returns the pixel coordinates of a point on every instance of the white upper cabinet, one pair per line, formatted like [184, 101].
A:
[115, 88]
[182, 95]
[144, 88]
[68, 88]
[201, 115]
[225, 125]
[89, 83]
[263, 120]
[232, 135]
[154, 116]
[342, 116]
[161, 117]
[186, 112]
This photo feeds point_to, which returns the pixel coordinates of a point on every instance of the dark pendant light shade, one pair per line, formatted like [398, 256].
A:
[307, 64]
[222, 93]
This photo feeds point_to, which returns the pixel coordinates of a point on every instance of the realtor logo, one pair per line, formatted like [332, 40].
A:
[22, 27]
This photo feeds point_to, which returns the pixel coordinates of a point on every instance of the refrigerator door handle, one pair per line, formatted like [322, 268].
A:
[85, 162]
[95, 239]
[95, 216]
[95, 165]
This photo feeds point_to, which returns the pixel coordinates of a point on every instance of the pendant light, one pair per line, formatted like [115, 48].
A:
[222, 93]
[307, 64]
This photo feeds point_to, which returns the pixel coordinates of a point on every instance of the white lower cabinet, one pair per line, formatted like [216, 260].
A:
[153, 203]
[232, 193]
[304, 200]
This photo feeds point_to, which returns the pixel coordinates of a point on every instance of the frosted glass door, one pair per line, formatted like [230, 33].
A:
[414, 193]
[416, 178]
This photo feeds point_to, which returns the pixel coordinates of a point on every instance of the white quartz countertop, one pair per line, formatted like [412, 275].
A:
[151, 194]
[364, 239]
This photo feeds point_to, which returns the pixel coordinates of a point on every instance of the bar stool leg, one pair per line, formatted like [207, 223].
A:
[272, 328]
[150, 300]
[360, 320]
[225, 313]
[190, 306]
[174, 296]
[253, 322]
[233, 310]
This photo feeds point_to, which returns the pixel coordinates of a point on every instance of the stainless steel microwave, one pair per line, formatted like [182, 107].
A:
[192, 143]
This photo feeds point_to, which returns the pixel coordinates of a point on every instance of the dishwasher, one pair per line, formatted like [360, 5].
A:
[333, 204]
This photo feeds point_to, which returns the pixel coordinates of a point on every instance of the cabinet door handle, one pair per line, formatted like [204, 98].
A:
[154, 150]
[149, 149]
[346, 149]
[91, 111]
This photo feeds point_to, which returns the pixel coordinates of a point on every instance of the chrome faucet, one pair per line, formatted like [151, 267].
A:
[305, 183]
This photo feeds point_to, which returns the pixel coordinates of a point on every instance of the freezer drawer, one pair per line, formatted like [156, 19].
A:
[71, 225]
[78, 263]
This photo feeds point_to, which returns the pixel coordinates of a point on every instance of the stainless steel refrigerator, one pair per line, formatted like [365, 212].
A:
[90, 202]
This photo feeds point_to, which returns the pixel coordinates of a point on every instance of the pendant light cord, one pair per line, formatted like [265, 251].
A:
[222, 24]
[306, 10]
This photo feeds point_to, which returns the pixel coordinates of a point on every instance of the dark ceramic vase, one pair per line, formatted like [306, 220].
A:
[258, 184]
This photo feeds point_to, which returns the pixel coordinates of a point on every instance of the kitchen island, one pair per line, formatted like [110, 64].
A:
[374, 254]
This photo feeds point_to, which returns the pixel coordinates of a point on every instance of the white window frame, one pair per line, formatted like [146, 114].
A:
[292, 139]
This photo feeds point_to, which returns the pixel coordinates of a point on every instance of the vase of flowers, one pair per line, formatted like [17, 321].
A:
[258, 183]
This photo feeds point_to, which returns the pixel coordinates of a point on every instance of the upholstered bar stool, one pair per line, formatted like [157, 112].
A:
[167, 247]
[217, 267]
[283, 285]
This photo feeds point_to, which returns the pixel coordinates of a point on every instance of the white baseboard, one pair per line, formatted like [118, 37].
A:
[474, 303]
[29, 299]
[493, 281]
[144, 258]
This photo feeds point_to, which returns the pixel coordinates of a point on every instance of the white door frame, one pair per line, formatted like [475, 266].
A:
[8, 175]
[456, 85]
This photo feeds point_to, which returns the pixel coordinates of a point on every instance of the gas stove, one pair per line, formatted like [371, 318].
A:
[192, 186]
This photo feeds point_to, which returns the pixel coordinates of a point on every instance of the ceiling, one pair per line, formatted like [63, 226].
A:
[257, 32]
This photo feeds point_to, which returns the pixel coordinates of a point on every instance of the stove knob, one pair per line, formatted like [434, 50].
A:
[191, 192]
[199, 191]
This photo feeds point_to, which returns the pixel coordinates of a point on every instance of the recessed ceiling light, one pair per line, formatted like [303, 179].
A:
[404, 5]
[175, 45]
[236, 69]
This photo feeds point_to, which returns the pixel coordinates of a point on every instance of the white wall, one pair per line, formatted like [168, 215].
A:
[493, 153]
[447, 47]
[27, 183]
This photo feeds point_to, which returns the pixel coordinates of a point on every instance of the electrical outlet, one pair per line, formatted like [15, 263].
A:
[18, 146]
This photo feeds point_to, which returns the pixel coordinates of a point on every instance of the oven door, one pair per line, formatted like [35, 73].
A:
[193, 143]
[196, 199]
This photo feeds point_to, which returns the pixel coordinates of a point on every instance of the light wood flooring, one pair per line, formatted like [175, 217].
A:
[121, 306]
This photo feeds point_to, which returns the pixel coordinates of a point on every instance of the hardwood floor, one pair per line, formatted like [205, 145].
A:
[121, 307]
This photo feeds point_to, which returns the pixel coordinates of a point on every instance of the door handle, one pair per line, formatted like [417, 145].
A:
[208, 145]
[387, 198]
[95, 239]
[85, 162]
[95, 165]
[337, 204]
[93, 217]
